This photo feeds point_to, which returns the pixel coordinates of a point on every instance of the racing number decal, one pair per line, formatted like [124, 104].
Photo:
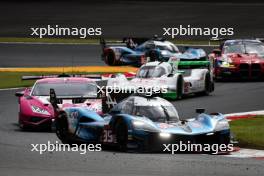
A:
[110, 102]
[108, 136]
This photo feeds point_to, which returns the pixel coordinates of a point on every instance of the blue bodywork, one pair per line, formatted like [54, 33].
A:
[122, 55]
[88, 126]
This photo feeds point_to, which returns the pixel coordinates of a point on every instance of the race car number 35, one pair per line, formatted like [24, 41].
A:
[108, 136]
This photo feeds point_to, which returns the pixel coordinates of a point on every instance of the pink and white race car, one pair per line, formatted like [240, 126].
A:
[35, 109]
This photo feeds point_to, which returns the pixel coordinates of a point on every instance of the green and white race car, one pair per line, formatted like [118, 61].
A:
[172, 79]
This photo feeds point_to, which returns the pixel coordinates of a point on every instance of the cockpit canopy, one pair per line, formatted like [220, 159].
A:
[156, 109]
[154, 70]
[161, 45]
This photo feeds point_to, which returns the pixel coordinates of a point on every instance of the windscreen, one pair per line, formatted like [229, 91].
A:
[158, 113]
[66, 89]
[151, 72]
[245, 48]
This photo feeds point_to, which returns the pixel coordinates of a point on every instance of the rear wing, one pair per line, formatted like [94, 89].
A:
[260, 39]
[91, 76]
[54, 100]
[126, 41]
[189, 64]
[109, 43]
[194, 64]
[220, 40]
[109, 100]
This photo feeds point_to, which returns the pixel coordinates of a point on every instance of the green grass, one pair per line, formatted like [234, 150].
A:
[95, 41]
[249, 132]
[13, 79]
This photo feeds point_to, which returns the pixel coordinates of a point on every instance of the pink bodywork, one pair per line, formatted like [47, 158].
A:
[29, 118]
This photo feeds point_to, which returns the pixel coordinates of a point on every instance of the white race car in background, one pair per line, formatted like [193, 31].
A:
[166, 77]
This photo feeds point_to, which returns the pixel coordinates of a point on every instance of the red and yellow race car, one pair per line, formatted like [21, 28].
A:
[239, 59]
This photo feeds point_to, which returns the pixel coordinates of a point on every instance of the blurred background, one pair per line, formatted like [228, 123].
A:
[141, 18]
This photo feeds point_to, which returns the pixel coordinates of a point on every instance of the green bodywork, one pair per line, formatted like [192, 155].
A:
[172, 95]
[193, 64]
[178, 65]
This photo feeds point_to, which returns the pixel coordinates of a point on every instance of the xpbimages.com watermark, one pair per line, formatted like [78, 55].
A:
[146, 90]
[60, 31]
[58, 147]
[192, 147]
[188, 30]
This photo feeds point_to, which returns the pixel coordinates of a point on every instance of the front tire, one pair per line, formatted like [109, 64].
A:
[179, 91]
[62, 131]
[22, 126]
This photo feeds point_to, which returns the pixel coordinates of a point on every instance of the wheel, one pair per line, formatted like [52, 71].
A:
[208, 84]
[22, 126]
[110, 58]
[179, 88]
[121, 134]
[62, 132]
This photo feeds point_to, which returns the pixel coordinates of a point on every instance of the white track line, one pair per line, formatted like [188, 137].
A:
[261, 112]
[247, 153]
[15, 88]
[234, 116]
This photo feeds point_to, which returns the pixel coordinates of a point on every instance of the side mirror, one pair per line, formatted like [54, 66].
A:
[19, 94]
[217, 52]
[199, 110]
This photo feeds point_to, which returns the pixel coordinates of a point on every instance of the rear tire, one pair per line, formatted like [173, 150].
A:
[208, 84]
[121, 131]
[110, 58]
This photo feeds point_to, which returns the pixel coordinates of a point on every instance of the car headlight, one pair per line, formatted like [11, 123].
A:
[222, 125]
[165, 135]
[227, 63]
[141, 125]
[39, 110]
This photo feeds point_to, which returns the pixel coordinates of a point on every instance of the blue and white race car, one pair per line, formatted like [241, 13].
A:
[156, 49]
[140, 123]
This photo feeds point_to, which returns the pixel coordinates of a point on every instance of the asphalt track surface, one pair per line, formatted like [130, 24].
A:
[35, 55]
[43, 55]
[133, 18]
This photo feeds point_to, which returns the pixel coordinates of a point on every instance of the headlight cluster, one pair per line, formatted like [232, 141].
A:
[222, 125]
[227, 63]
[39, 110]
[140, 125]
[165, 135]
